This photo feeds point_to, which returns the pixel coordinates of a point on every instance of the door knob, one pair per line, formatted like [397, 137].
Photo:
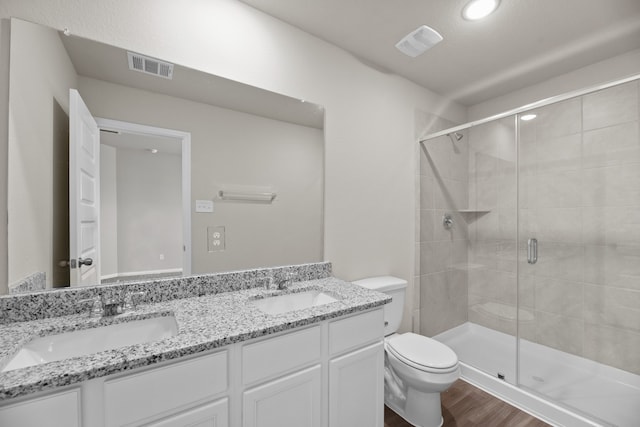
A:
[86, 261]
[73, 264]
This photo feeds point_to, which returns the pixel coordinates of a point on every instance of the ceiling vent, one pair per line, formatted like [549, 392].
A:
[419, 41]
[148, 65]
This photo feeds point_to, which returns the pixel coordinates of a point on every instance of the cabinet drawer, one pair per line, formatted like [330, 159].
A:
[164, 389]
[356, 331]
[55, 410]
[282, 354]
[214, 414]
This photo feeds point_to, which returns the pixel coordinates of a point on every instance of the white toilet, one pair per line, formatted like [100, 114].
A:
[417, 368]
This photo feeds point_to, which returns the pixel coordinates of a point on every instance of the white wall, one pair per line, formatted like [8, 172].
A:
[612, 69]
[39, 101]
[370, 147]
[149, 205]
[140, 211]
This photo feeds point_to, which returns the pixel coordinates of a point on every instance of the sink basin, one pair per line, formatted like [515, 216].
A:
[88, 341]
[289, 302]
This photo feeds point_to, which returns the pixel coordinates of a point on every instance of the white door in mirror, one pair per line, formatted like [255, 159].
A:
[84, 193]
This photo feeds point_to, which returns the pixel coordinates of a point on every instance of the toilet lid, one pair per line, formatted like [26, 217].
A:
[422, 351]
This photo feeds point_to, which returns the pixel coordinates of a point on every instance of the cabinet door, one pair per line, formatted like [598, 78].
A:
[291, 401]
[57, 410]
[215, 414]
[356, 388]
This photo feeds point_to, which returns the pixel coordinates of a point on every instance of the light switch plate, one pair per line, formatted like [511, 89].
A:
[204, 206]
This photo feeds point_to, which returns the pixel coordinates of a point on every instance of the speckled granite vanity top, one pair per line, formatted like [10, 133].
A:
[204, 322]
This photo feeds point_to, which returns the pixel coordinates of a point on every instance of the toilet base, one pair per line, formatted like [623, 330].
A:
[420, 409]
[423, 409]
[414, 394]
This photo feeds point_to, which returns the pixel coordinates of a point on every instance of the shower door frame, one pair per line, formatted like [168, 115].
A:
[533, 105]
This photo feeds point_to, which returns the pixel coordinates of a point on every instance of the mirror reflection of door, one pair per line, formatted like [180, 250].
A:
[124, 218]
[84, 194]
[141, 206]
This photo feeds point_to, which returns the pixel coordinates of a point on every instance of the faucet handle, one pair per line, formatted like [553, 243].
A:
[291, 275]
[132, 299]
[112, 297]
[284, 279]
[95, 308]
[265, 282]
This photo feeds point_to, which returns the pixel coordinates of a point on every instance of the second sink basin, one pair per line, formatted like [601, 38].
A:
[93, 340]
[289, 302]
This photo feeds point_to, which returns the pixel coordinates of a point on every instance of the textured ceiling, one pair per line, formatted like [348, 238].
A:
[524, 42]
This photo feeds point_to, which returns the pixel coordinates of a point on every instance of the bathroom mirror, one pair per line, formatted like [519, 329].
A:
[197, 173]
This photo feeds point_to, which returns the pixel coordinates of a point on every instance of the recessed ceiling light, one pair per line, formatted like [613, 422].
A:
[478, 9]
[152, 150]
[528, 117]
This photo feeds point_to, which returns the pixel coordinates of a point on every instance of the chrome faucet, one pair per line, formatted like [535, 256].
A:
[118, 303]
[283, 280]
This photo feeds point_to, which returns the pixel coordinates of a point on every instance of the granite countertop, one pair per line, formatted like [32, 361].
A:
[204, 323]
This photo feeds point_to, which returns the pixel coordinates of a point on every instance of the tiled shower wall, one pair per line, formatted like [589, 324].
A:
[441, 282]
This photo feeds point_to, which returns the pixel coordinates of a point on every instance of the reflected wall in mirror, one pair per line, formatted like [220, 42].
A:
[144, 214]
[241, 139]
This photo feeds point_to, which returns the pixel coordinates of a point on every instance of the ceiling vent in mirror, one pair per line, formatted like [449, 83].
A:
[419, 41]
[148, 65]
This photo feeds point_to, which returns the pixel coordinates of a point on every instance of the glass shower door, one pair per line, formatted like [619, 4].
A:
[491, 268]
[579, 254]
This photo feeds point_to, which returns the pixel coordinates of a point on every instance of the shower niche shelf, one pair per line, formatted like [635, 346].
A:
[467, 266]
[476, 211]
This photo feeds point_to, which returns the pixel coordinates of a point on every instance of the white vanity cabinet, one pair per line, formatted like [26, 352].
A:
[61, 409]
[356, 371]
[288, 372]
[329, 374]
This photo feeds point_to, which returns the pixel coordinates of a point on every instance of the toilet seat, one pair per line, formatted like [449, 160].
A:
[423, 353]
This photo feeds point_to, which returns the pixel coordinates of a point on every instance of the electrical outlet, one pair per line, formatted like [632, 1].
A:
[215, 238]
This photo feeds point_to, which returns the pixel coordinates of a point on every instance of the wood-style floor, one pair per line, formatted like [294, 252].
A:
[464, 405]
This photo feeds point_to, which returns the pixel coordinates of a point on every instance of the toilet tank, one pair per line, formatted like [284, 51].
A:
[395, 288]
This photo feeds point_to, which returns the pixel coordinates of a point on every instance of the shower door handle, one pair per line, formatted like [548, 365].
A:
[532, 251]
